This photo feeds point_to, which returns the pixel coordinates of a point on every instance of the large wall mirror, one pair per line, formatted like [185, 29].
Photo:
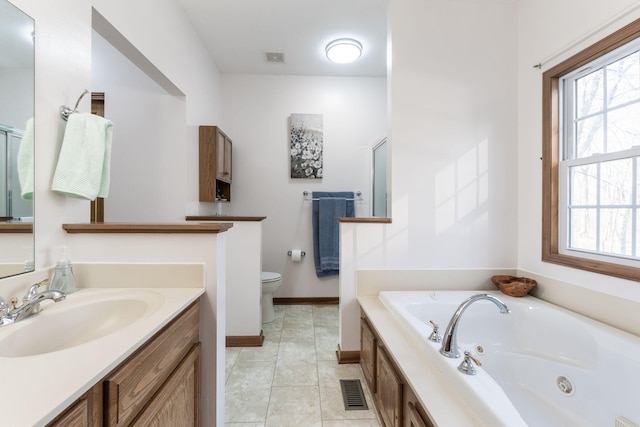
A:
[380, 179]
[17, 33]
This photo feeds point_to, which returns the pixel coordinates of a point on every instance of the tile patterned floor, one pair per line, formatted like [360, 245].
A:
[293, 379]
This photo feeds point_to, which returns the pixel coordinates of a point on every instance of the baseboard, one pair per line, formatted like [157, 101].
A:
[245, 340]
[306, 300]
[345, 357]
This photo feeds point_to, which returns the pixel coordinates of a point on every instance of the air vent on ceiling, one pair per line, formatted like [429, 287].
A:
[352, 395]
[275, 57]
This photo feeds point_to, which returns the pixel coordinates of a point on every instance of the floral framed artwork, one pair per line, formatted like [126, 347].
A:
[306, 145]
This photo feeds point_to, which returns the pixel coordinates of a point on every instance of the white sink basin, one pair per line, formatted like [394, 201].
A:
[80, 318]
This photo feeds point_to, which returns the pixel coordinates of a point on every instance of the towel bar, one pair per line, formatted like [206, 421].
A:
[66, 111]
[308, 196]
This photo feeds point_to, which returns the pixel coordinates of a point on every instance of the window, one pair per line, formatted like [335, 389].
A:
[591, 158]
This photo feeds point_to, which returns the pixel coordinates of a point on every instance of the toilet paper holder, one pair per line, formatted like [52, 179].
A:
[303, 253]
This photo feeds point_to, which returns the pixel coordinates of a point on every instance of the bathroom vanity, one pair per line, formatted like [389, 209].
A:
[158, 385]
[146, 371]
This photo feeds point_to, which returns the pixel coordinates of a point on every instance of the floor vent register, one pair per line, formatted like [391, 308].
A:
[352, 395]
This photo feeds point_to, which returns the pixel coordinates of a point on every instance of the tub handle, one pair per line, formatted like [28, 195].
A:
[435, 336]
[466, 367]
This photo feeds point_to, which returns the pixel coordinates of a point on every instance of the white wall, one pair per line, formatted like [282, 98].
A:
[170, 44]
[63, 69]
[551, 38]
[243, 290]
[256, 112]
[453, 134]
[445, 95]
[453, 146]
[148, 180]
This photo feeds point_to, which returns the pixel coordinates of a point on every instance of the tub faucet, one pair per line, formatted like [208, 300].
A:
[449, 346]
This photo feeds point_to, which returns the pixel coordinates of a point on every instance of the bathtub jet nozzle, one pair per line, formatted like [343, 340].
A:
[449, 346]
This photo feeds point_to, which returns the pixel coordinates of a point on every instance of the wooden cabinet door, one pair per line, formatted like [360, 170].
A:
[220, 146]
[414, 418]
[214, 165]
[389, 390]
[129, 388]
[177, 401]
[228, 151]
[223, 157]
[414, 413]
[85, 412]
[368, 344]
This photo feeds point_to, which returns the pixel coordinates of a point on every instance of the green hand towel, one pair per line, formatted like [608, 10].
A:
[25, 162]
[83, 168]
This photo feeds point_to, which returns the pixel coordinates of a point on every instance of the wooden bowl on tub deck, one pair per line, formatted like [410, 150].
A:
[514, 286]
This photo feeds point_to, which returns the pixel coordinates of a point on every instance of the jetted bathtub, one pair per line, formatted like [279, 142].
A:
[542, 365]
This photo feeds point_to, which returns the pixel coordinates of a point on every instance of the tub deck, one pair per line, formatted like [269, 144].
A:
[446, 408]
[541, 365]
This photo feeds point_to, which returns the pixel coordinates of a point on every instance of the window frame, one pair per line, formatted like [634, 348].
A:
[552, 110]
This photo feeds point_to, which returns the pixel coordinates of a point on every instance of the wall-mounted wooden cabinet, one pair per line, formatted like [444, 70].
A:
[215, 165]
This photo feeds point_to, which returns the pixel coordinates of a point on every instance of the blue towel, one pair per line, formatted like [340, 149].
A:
[326, 229]
[83, 169]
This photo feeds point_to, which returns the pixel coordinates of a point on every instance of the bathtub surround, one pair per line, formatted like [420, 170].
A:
[615, 311]
[446, 407]
[576, 362]
[357, 280]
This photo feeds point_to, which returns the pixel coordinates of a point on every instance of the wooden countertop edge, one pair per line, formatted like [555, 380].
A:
[16, 227]
[365, 220]
[224, 218]
[158, 228]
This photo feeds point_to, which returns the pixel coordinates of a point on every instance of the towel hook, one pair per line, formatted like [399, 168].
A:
[66, 111]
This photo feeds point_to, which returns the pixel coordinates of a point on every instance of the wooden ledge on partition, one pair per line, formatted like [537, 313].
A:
[225, 218]
[306, 300]
[158, 228]
[345, 357]
[371, 220]
[16, 227]
[245, 340]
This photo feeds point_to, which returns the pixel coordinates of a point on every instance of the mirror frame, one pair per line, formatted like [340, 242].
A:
[17, 254]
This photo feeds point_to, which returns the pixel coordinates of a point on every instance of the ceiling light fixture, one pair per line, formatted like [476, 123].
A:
[343, 51]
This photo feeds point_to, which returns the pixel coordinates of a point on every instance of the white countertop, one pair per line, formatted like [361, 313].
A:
[437, 396]
[35, 389]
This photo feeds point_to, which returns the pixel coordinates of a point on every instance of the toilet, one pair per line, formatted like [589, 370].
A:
[270, 283]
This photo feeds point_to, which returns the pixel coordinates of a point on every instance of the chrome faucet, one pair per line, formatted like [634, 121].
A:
[449, 346]
[30, 305]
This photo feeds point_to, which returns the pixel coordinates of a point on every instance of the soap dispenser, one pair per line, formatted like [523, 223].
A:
[63, 279]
